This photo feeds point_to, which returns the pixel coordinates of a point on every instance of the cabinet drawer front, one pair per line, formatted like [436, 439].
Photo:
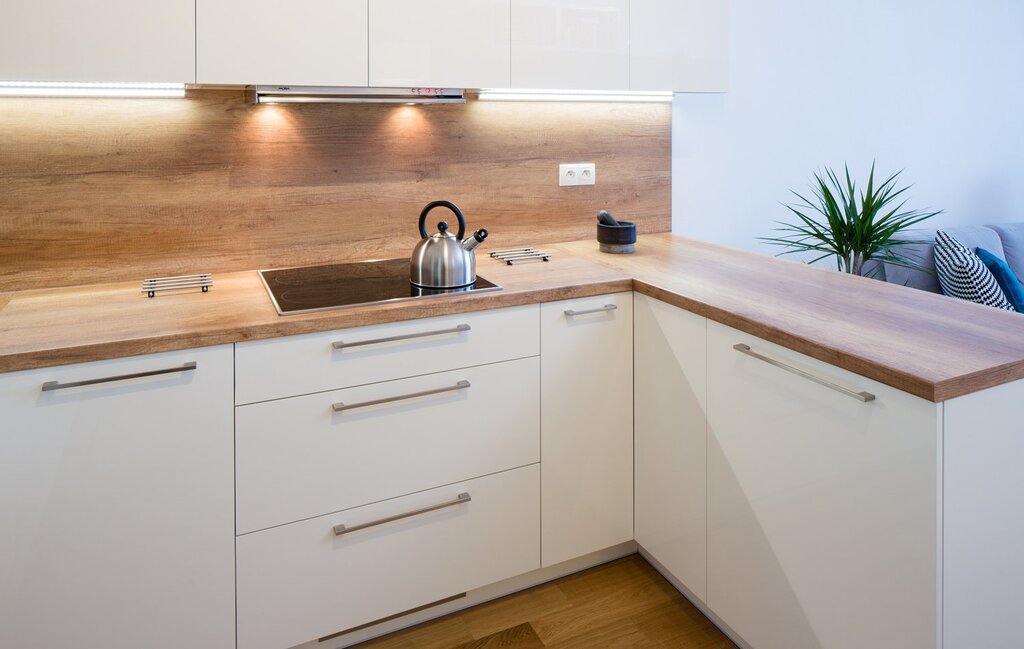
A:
[297, 458]
[822, 507]
[285, 367]
[300, 582]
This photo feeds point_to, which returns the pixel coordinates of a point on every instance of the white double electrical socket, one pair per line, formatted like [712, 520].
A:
[571, 175]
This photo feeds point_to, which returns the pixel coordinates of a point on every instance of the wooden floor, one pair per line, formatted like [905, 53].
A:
[619, 605]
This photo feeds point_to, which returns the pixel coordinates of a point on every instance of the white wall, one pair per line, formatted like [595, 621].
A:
[935, 87]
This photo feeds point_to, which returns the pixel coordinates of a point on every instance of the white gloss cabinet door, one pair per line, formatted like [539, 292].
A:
[822, 508]
[112, 40]
[671, 439]
[680, 45]
[440, 43]
[117, 506]
[586, 425]
[570, 44]
[304, 42]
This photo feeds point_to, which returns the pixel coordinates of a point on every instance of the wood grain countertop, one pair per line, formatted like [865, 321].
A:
[41, 328]
[928, 345]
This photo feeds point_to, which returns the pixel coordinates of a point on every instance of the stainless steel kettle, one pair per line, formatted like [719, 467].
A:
[443, 260]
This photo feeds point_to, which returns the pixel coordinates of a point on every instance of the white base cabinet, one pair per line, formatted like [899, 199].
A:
[586, 425]
[301, 582]
[116, 505]
[823, 509]
[670, 429]
[983, 486]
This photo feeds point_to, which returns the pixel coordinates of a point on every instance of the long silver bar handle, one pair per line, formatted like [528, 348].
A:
[859, 396]
[340, 530]
[50, 386]
[391, 339]
[341, 407]
[608, 307]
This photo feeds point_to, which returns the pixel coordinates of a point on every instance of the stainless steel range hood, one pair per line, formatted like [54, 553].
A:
[339, 95]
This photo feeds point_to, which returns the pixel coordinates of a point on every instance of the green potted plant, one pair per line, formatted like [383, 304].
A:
[854, 228]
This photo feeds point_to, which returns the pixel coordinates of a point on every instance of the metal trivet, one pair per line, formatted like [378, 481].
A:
[513, 256]
[153, 286]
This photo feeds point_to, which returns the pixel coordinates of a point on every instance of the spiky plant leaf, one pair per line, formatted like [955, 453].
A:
[854, 228]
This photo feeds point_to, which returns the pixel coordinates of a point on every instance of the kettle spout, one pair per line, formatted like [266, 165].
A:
[469, 243]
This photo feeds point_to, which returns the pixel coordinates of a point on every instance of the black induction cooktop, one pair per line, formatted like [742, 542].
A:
[323, 288]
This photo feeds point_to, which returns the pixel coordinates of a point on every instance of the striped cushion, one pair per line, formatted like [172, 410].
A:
[963, 275]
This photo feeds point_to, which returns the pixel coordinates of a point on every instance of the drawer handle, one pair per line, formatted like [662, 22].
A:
[859, 396]
[340, 530]
[608, 307]
[390, 339]
[50, 386]
[341, 407]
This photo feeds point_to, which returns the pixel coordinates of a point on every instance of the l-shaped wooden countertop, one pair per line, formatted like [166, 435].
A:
[928, 345]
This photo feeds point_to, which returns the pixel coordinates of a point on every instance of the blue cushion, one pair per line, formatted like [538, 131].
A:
[1012, 235]
[1006, 278]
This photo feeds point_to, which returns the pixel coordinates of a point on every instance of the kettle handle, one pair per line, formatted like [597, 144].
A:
[449, 205]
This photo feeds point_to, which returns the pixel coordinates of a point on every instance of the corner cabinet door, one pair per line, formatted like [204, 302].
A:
[440, 43]
[570, 44]
[586, 426]
[116, 505]
[671, 439]
[304, 42]
[680, 45]
[112, 40]
[822, 508]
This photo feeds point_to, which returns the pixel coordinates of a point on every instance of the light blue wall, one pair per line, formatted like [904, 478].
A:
[935, 87]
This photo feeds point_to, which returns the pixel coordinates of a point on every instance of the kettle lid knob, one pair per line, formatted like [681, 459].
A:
[442, 227]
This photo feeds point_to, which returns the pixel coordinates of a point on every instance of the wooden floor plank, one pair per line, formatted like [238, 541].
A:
[515, 609]
[624, 604]
[521, 636]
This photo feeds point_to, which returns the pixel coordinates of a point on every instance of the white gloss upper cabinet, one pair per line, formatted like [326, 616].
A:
[112, 40]
[670, 360]
[440, 43]
[822, 509]
[680, 45]
[117, 505]
[304, 42]
[586, 425]
[570, 44]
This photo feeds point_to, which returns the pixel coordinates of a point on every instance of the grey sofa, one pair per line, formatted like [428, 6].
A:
[1003, 239]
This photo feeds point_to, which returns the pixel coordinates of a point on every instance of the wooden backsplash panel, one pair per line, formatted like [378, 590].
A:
[104, 190]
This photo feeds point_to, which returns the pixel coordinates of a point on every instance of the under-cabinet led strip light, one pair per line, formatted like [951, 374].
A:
[77, 89]
[499, 94]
